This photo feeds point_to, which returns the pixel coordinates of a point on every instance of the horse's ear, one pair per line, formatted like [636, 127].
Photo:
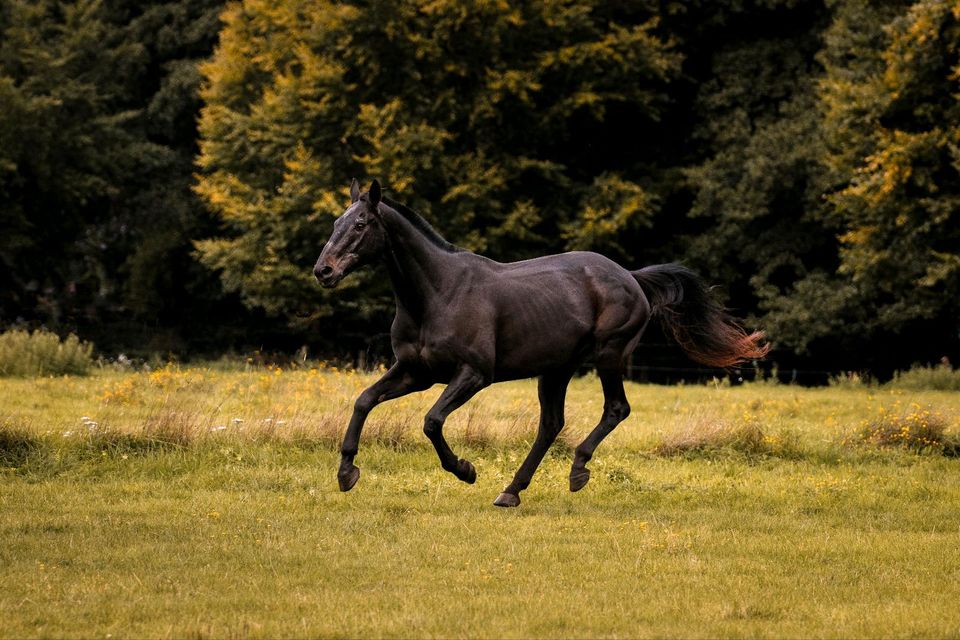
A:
[375, 193]
[354, 191]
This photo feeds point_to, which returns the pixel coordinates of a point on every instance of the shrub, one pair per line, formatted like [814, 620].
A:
[915, 427]
[42, 353]
[942, 377]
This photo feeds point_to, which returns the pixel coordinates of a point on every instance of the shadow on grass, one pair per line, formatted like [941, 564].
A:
[17, 445]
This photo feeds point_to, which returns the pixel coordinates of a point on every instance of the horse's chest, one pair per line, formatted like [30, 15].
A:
[425, 346]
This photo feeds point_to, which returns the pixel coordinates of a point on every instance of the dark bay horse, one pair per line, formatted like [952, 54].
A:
[468, 321]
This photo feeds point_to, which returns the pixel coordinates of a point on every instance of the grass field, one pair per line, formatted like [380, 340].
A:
[201, 503]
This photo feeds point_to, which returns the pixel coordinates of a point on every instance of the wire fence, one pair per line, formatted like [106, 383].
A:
[658, 362]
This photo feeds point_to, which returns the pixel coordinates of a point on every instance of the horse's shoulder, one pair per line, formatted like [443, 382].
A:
[405, 327]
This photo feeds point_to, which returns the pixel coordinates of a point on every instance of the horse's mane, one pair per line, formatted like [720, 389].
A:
[421, 225]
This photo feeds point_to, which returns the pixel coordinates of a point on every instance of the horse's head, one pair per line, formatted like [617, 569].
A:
[358, 237]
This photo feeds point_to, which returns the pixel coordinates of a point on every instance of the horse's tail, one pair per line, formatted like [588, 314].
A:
[687, 310]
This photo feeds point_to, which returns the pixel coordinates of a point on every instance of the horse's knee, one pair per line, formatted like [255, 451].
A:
[432, 426]
[365, 403]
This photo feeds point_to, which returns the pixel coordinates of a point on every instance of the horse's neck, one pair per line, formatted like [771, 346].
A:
[420, 271]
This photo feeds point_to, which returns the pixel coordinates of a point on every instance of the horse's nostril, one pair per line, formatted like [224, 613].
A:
[325, 271]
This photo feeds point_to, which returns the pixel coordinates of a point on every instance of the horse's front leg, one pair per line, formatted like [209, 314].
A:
[464, 385]
[397, 381]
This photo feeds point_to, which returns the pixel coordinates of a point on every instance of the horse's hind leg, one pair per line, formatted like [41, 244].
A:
[615, 410]
[464, 385]
[553, 391]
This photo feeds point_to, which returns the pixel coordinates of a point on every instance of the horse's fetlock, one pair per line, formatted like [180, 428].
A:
[582, 455]
[618, 410]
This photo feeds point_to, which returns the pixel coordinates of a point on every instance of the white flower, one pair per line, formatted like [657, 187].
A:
[218, 428]
[237, 420]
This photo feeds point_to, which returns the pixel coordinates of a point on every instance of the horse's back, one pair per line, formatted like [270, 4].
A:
[554, 310]
[578, 278]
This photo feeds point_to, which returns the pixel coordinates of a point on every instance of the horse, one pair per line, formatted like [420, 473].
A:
[467, 321]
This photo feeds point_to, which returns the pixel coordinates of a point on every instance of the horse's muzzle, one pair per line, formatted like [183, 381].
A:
[329, 271]
[327, 276]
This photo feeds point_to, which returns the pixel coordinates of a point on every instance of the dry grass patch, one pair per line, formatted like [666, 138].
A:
[706, 431]
[388, 431]
[177, 426]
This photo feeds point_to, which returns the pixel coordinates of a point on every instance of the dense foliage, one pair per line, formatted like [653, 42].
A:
[98, 102]
[802, 155]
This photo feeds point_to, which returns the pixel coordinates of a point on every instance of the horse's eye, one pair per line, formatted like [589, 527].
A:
[359, 226]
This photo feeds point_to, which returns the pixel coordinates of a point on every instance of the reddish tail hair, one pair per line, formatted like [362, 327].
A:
[687, 310]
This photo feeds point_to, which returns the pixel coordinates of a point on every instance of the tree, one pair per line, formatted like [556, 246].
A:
[96, 148]
[890, 129]
[62, 70]
[756, 196]
[515, 129]
[901, 240]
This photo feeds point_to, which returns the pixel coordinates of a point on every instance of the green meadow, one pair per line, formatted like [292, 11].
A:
[202, 502]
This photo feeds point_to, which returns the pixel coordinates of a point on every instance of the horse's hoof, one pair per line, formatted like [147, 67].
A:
[507, 500]
[348, 478]
[579, 479]
[466, 471]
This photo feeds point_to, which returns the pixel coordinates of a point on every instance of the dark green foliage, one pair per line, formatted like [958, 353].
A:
[757, 196]
[97, 138]
[887, 119]
[899, 204]
[800, 154]
[512, 128]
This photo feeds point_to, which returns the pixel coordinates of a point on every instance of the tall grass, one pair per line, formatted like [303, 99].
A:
[851, 380]
[42, 353]
[942, 377]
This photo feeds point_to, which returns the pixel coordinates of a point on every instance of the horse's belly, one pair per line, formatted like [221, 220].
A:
[532, 350]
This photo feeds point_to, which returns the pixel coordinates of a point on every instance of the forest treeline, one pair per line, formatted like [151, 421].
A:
[170, 169]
